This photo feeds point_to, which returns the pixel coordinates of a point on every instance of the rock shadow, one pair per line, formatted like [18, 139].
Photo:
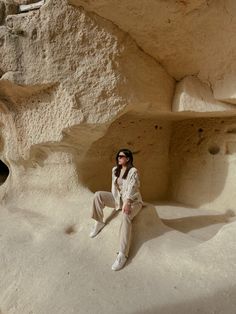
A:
[145, 226]
[188, 224]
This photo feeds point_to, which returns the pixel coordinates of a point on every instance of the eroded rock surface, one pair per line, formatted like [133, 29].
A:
[62, 84]
[78, 81]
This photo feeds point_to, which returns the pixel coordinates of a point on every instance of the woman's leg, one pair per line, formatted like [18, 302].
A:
[100, 200]
[126, 228]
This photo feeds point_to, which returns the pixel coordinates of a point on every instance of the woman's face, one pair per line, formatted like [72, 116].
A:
[122, 159]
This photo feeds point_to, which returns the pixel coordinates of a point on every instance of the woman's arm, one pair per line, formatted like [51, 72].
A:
[133, 185]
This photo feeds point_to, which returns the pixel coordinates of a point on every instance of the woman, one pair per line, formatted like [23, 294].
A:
[125, 195]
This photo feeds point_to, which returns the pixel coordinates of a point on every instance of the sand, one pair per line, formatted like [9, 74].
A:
[182, 260]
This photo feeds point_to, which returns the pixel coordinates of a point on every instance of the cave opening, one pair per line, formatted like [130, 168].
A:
[4, 172]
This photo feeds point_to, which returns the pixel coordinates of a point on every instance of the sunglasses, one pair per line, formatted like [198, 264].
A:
[121, 156]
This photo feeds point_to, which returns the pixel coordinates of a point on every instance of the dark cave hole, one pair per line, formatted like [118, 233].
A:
[4, 172]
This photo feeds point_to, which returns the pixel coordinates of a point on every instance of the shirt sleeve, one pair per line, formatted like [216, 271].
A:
[133, 186]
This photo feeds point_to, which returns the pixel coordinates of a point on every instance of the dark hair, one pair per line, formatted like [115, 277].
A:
[129, 164]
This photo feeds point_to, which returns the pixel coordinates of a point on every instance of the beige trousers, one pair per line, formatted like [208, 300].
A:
[104, 198]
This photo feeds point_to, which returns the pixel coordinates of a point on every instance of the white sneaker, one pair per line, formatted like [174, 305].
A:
[119, 262]
[96, 228]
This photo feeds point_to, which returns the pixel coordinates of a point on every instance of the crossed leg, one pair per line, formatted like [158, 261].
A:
[101, 199]
[104, 198]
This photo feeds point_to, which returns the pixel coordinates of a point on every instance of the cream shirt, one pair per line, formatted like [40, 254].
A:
[129, 187]
[120, 182]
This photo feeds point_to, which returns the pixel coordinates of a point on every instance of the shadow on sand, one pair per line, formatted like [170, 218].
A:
[148, 225]
[187, 224]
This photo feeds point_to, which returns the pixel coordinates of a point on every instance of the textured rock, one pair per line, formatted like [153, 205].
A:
[203, 163]
[193, 95]
[182, 35]
[76, 86]
[2, 12]
[225, 88]
[62, 81]
[67, 88]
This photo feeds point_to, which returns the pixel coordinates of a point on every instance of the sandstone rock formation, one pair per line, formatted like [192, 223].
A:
[63, 81]
[66, 83]
[79, 80]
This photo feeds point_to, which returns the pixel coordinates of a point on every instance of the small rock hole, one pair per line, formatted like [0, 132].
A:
[34, 34]
[214, 149]
[70, 230]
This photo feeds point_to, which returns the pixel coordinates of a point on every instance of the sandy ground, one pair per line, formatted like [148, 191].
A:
[182, 260]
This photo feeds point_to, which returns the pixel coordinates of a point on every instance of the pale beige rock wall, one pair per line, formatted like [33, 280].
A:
[62, 85]
[203, 153]
[76, 86]
[73, 93]
[148, 138]
[186, 37]
[193, 95]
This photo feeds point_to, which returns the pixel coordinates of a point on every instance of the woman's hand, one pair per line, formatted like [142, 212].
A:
[127, 208]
